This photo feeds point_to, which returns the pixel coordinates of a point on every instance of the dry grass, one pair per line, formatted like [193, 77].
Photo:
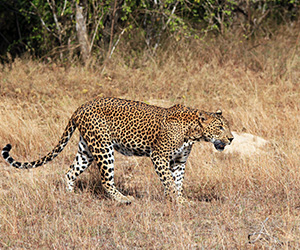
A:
[256, 85]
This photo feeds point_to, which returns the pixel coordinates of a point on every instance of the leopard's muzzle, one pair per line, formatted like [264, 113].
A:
[219, 145]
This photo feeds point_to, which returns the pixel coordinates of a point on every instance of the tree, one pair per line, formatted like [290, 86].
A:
[66, 29]
[81, 30]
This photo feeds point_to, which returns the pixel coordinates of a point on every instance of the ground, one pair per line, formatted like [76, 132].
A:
[238, 201]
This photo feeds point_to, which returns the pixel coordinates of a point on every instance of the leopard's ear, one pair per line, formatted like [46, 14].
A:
[219, 112]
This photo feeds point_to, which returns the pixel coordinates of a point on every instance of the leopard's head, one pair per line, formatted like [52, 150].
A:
[216, 129]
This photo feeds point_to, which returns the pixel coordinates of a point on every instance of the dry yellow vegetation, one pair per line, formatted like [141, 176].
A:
[239, 201]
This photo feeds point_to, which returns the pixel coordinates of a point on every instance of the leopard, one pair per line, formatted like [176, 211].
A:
[134, 128]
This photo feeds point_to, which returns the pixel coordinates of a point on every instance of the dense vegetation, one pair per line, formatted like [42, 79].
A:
[64, 30]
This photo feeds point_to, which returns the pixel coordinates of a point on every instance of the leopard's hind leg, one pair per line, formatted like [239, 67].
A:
[102, 150]
[82, 161]
[104, 156]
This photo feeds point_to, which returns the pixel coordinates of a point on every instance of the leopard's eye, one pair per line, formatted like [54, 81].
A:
[221, 128]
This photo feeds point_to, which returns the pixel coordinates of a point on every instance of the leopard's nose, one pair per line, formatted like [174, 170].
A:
[230, 139]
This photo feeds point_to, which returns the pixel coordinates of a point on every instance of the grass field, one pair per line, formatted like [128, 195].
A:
[235, 197]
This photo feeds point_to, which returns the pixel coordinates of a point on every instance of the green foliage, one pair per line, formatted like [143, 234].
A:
[48, 28]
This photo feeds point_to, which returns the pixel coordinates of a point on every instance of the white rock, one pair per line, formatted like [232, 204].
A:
[246, 144]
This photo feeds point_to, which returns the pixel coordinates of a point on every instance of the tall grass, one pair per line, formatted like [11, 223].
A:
[256, 84]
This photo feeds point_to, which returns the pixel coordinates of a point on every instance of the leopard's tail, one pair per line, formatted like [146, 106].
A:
[49, 157]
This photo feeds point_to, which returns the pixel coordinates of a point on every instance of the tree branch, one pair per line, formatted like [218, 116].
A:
[112, 28]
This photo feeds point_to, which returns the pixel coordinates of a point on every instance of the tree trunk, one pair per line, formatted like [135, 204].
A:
[82, 31]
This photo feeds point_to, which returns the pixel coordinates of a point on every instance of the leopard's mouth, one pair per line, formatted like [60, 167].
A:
[220, 146]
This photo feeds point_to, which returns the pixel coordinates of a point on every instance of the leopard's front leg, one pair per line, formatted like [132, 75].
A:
[162, 168]
[177, 167]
